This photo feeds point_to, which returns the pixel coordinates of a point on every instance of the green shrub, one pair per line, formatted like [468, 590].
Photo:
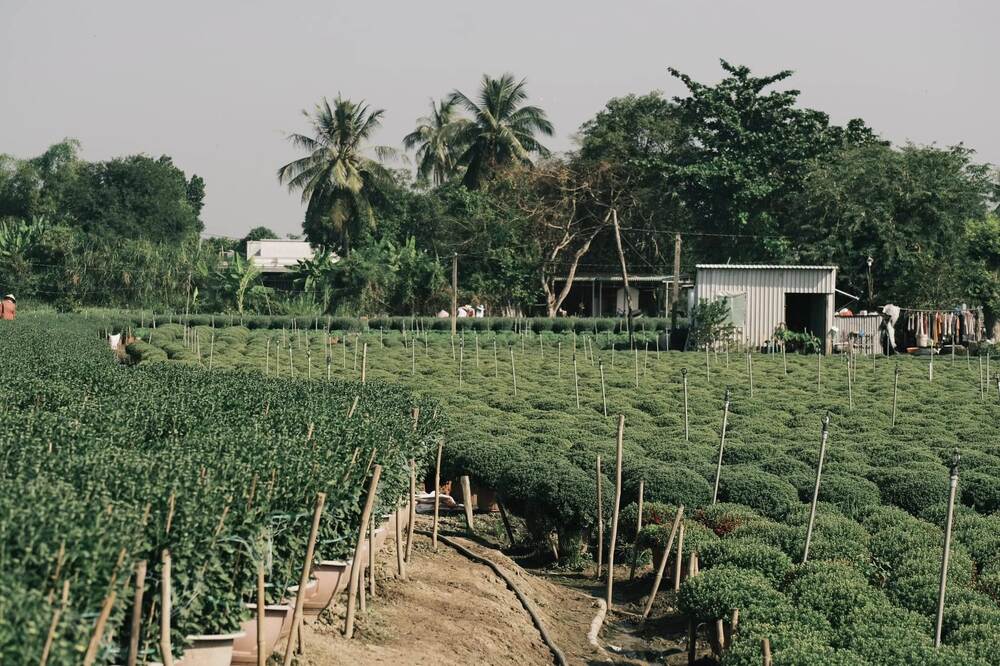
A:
[749, 555]
[830, 588]
[772, 496]
[714, 593]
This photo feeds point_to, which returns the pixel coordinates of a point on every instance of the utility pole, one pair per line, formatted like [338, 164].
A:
[677, 282]
[628, 295]
[454, 293]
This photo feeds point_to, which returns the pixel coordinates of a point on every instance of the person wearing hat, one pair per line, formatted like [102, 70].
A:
[8, 307]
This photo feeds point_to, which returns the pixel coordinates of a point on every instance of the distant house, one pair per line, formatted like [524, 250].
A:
[763, 296]
[276, 259]
[604, 295]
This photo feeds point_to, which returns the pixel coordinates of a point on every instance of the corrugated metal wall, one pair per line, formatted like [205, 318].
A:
[765, 288]
[865, 327]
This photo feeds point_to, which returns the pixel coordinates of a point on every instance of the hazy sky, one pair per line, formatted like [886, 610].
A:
[217, 84]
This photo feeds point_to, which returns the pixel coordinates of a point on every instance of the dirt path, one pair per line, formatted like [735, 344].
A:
[456, 611]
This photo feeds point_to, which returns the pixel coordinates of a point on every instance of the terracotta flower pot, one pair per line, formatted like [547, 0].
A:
[286, 626]
[210, 650]
[245, 647]
[332, 578]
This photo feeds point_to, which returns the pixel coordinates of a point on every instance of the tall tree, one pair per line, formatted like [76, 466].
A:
[436, 141]
[502, 131]
[337, 179]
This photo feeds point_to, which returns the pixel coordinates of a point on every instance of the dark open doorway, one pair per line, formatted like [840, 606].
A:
[806, 312]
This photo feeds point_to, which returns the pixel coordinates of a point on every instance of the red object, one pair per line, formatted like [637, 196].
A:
[8, 309]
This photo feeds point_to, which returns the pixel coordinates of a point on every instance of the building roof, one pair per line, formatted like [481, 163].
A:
[783, 267]
[631, 278]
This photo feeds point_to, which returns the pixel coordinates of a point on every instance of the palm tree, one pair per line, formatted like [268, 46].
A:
[436, 141]
[501, 131]
[336, 178]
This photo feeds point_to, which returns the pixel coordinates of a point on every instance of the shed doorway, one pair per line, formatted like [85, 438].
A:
[806, 312]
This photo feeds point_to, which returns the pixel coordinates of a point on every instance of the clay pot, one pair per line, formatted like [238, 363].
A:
[245, 647]
[286, 626]
[210, 650]
[332, 578]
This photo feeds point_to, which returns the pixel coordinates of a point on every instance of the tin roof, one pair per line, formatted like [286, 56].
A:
[768, 267]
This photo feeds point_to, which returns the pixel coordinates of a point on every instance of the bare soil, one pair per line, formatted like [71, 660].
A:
[454, 610]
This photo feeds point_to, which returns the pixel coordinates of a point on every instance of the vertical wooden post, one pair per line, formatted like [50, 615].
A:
[784, 359]
[454, 293]
[819, 372]
[356, 563]
[722, 446]
[638, 529]
[371, 557]
[559, 360]
[662, 566]
[166, 653]
[261, 612]
[850, 386]
[765, 648]
[513, 371]
[687, 430]
[895, 393]
[364, 363]
[675, 300]
[300, 594]
[576, 382]
[140, 589]
[617, 505]
[600, 520]
[604, 394]
[952, 489]
[437, 496]
[467, 503]
[679, 560]
[692, 642]
[815, 499]
[412, 509]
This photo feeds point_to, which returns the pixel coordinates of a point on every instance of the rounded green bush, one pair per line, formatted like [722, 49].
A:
[771, 495]
[749, 555]
[831, 588]
[714, 593]
[854, 495]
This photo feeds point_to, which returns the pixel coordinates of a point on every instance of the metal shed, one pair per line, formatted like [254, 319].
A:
[762, 296]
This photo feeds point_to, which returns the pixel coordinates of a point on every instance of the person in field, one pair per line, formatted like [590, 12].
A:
[8, 307]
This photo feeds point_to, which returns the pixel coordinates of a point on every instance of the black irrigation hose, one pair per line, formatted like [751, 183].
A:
[556, 652]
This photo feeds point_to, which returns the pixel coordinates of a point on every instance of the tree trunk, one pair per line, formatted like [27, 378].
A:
[554, 302]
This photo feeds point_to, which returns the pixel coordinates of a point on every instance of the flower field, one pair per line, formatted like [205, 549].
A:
[105, 465]
[526, 416]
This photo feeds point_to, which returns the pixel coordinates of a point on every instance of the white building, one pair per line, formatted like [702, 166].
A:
[277, 255]
[761, 297]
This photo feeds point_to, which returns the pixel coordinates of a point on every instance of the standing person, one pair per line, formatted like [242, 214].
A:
[8, 307]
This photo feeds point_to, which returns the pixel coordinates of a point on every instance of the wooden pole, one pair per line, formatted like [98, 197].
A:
[371, 557]
[102, 620]
[604, 393]
[467, 503]
[412, 509]
[600, 520]
[850, 386]
[140, 589]
[679, 560]
[437, 496]
[750, 371]
[559, 360]
[300, 594]
[454, 293]
[628, 292]
[54, 625]
[675, 297]
[166, 652]
[687, 429]
[895, 393]
[692, 642]
[815, 499]
[364, 363]
[576, 382]
[638, 529]
[765, 648]
[722, 446]
[513, 372]
[356, 563]
[952, 489]
[261, 612]
[662, 566]
[618, 501]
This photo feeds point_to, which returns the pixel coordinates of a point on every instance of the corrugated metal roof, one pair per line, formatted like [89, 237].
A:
[768, 266]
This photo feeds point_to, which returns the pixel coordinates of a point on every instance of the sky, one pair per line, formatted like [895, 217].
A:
[218, 84]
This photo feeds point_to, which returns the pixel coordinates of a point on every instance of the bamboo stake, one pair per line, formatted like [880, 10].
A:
[412, 509]
[604, 394]
[513, 372]
[371, 557]
[261, 611]
[663, 562]
[952, 489]
[102, 621]
[300, 594]
[617, 505]
[895, 393]
[559, 360]
[54, 626]
[357, 561]
[437, 496]
[576, 382]
[750, 371]
[467, 503]
[850, 387]
[140, 588]
[687, 430]
[638, 529]
[765, 648]
[722, 446]
[166, 652]
[692, 641]
[679, 560]
[600, 520]
[400, 566]
[364, 363]
[815, 499]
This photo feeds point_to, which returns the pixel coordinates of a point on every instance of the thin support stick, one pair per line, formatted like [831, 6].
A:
[617, 505]
[166, 652]
[412, 509]
[600, 519]
[819, 475]
[261, 611]
[638, 529]
[663, 563]
[356, 563]
[952, 489]
[300, 594]
[140, 589]
[687, 428]
[722, 446]
[437, 496]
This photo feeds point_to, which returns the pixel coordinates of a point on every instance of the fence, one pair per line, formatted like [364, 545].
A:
[861, 330]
